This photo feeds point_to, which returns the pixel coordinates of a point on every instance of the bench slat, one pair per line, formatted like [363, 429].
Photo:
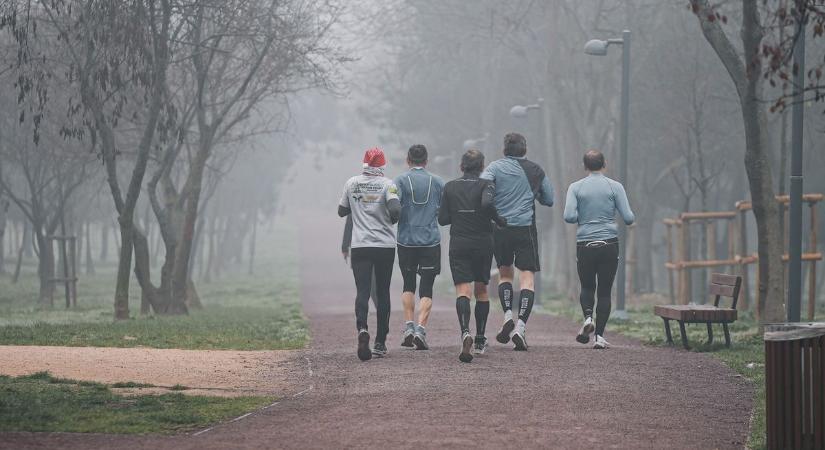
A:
[697, 313]
[723, 279]
[723, 290]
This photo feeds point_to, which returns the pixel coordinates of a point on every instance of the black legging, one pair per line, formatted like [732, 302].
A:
[367, 261]
[425, 289]
[593, 263]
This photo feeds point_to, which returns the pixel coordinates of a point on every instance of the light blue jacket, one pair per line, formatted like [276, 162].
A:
[592, 203]
[420, 195]
[514, 197]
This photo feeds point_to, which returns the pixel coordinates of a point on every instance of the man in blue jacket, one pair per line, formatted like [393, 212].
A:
[592, 203]
[519, 184]
[419, 242]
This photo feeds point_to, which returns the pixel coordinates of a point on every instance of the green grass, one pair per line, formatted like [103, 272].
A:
[241, 312]
[40, 402]
[746, 355]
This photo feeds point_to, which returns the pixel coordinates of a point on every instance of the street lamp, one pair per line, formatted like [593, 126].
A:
[521, 112]
[475, 144]
[597, 47]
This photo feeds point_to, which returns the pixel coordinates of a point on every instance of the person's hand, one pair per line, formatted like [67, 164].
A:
[500, 222]
[346, 255]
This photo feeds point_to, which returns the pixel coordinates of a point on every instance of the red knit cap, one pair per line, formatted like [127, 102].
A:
[374, 157]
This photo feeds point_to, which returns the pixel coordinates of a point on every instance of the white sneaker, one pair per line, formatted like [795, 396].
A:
[600, 343]
[519, 339]
[584, 333]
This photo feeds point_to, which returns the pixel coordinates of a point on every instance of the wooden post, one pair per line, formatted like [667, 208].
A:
[812, 266]
[710, 237]
[670, 260]
[743, 251]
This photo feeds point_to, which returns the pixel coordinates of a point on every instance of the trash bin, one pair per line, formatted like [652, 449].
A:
[795, 385]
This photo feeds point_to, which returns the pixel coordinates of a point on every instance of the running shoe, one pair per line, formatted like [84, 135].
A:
[601, 344]
[480, 345]
[407, 337]
[364, 352]
[503, 336]
[519, 339]
[379, 349]
[420, 339]
[466, 354]
[584, 333]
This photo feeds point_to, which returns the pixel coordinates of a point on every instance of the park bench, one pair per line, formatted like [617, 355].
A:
[721, 285]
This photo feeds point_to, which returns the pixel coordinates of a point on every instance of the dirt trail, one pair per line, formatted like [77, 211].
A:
[558, 395]
[204, 372]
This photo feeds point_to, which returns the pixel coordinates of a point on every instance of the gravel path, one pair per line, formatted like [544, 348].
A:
[560, 394]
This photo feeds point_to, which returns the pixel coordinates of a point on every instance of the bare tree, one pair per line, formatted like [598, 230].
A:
[745, 73]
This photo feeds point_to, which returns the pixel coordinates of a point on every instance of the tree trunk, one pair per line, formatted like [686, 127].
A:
[747, 79]
[252, 240]
[90, 264]
[45, 270]
[4, 207]
[104, 241]
[192, 194]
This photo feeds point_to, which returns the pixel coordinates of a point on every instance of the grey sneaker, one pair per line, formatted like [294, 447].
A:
[364, 352]
[519, 339]
[601, 344]
[480, 345]
[503, 336]
[379, 349]
[466, 354]
[407, 337]
[420, 338]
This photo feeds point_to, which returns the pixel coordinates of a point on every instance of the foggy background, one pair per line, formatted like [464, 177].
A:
[395, 73]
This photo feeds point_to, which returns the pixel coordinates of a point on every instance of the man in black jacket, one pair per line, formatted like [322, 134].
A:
[467, 206]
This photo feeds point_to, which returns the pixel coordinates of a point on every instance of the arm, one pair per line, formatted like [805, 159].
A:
[444, 210]
[346, 241]
[546, 194]
[571, 206]
[488, 196]
[489, 172]
[343, 205]
[624, 206]
[393, 203]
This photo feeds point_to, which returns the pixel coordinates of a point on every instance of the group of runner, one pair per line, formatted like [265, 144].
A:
[491, 211]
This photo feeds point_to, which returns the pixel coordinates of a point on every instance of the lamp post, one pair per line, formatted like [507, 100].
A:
[597, 47]
[794, 309]
[522, 112]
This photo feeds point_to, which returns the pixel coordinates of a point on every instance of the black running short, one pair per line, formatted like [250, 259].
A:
[470, 265]
[517, 245]
[421, 260]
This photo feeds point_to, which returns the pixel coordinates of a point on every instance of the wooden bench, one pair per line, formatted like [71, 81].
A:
[721, 285]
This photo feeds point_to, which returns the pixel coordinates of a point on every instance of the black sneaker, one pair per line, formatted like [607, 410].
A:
[364, 352]
[379, 349]
[503, 336]
[466, 354]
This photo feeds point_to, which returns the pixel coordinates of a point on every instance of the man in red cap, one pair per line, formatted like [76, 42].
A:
[372, 200]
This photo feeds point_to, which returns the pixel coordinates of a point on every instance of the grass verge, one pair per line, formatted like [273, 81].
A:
[746, 355]
[40, 402]
[240, 311]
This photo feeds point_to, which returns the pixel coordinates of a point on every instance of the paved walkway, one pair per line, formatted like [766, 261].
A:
[560, 394]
